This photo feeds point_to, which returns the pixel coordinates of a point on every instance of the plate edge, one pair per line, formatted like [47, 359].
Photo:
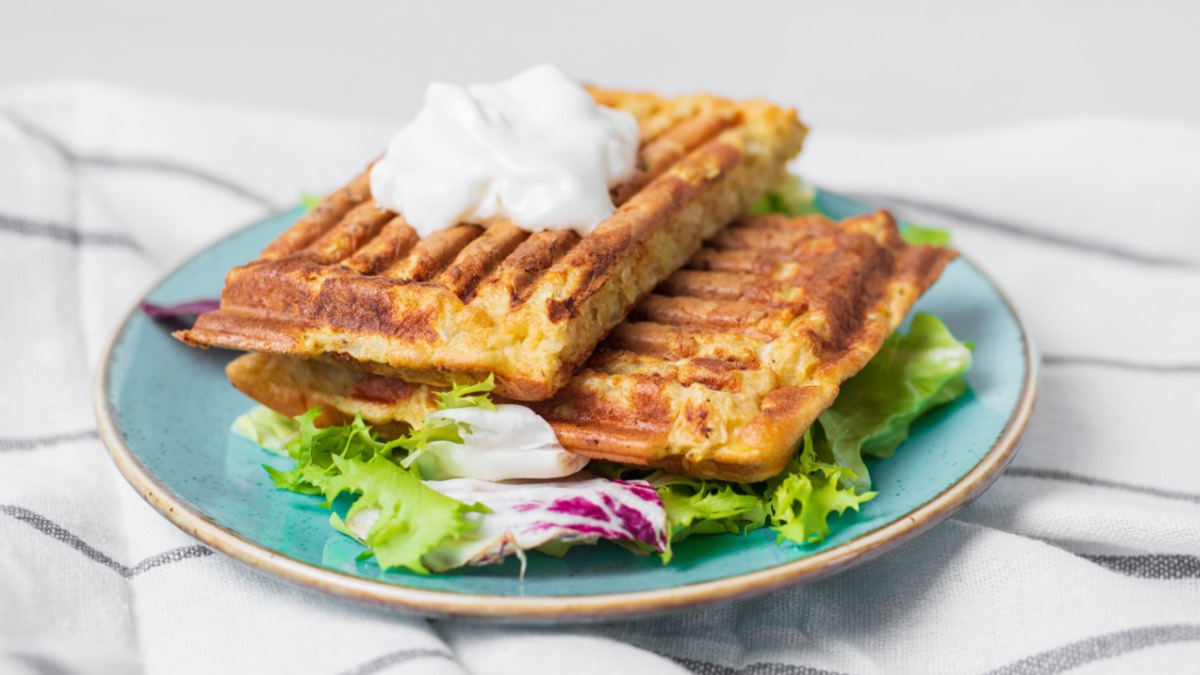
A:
[581, 607]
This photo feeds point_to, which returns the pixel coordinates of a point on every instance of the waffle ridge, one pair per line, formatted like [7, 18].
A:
[354, 284]
[716, 374]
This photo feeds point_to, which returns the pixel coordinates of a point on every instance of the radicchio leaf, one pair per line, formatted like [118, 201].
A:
[529, 515]
[183, 314]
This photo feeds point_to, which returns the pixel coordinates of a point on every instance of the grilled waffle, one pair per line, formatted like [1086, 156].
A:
[717, 374]
[354, 284]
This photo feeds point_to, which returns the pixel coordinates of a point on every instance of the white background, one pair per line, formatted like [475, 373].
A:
[860, 67]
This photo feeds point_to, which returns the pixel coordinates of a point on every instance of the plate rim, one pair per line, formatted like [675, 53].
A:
[609, 606]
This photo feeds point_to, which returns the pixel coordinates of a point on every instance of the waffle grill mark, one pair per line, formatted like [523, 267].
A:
[480, 257]
[761, 290]
[695, 174]
[324, 216]
[674, 343]
[721, 314]
[762, 237]
[665, 151]
[270, 289]
[642, 409]
[374, 310]
[653, 114]
[650, 403]
[433, 253]
[395, 240]
[632, 428]
[655, 121]
[636, 220]
[846, 284]
[519, 272]
[650, 339]
[771, 264]
[707, 285]
[360, 225]
[711, 373]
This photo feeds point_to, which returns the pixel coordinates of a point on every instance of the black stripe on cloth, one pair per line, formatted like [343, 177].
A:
[392, 658]
[43, 441]
[1099, 648]
[761, 668]
[169, 557]
[1054, 474]
[987, 222]
[55, 531]
[1150, 566]
[1167, 368]
[40, 663]
[1155, 566]
[68, 235]
[137, 163]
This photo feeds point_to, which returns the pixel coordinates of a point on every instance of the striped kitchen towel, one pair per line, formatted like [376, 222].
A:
[1084, 555]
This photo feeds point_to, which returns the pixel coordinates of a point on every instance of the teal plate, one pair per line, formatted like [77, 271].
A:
[165, 410]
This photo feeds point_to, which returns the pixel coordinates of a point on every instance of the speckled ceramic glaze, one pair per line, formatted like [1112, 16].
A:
[165, 411]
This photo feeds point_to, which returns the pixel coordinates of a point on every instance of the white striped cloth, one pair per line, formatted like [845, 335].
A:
[1085, 555]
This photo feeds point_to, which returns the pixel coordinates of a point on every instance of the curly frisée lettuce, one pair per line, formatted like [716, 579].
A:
[423, 525]
[796, 503]
[412, 519]
[804, 495]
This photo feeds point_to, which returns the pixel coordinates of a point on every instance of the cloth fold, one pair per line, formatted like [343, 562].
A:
[1085, 553]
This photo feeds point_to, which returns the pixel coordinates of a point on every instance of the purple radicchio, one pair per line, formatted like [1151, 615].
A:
[183, 314]
[530, 514]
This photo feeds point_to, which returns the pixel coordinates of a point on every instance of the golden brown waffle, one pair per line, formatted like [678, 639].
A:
[354, 284]
[717, 374]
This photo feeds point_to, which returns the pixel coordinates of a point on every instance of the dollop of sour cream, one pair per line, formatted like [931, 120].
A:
[508, 443]
[535, 149]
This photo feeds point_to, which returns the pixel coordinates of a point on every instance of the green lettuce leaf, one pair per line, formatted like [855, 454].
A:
[267, 428]
[413, 518]
[467, 395]
[797, 503]
[314, 448]
[918, 234]
[793, 197]
[696, 506]
[911, 374]
[803, 496]
[310, 200]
